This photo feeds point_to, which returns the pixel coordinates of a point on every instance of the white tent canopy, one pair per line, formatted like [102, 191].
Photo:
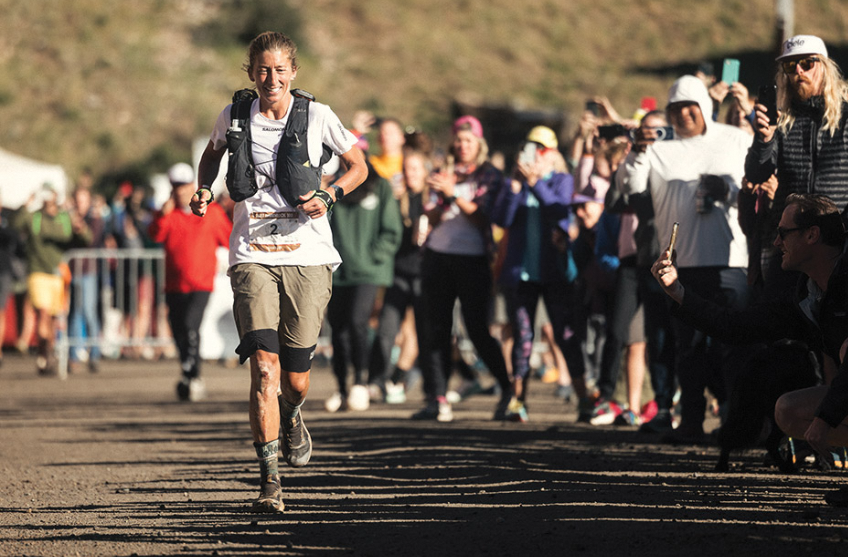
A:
[20, 177]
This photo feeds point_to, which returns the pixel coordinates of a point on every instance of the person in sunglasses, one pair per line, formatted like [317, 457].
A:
[811, 238]
[808, 145]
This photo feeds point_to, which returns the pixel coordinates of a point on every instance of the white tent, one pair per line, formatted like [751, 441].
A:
[20, 177]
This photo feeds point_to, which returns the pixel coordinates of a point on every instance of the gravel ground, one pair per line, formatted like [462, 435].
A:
[112, 464]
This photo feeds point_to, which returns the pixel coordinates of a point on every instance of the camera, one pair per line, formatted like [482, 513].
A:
[663, 133]
[612, 131]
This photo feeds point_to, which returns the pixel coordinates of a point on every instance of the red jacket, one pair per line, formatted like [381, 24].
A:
[190, 243]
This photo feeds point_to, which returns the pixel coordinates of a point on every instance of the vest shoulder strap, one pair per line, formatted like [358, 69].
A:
[242, 101]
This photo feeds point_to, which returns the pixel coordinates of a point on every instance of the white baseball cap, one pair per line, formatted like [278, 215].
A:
[181, 173]
[801, 45]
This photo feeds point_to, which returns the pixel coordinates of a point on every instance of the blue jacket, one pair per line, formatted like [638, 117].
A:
[530, 216]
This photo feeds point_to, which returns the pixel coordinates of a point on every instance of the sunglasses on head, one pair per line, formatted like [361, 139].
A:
[805, 63]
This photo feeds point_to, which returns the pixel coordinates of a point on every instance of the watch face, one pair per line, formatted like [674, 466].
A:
[339, 192]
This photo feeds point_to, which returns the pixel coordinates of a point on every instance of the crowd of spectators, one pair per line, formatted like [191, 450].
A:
[457, 258]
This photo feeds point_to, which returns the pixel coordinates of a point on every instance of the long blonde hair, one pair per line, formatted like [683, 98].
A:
[403, 200]
[835, 91]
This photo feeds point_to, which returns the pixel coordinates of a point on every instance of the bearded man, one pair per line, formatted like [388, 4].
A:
[808, 147]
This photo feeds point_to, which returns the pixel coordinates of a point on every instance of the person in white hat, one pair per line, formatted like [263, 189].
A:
[811, 101]
[694, 180]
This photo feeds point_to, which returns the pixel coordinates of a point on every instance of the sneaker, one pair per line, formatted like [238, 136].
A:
[439, 411]
[565, 392]
[191, 389]
[627, 417]
[584, 409]
[335, 403]
[395, 393]
[501, 408]
[270, 498]
[465, 390]
[517, 412]
[837, 498]
[586, 404]
[649, 410]
[295, 441]
[359, 398]
[660, 423]
[604, 413]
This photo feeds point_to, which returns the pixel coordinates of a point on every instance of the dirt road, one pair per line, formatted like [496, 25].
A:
[111, 464]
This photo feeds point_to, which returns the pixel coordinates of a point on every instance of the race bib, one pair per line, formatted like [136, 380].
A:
[272, 232]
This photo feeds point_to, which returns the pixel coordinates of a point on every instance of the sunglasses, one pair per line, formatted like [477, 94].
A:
[805, 63]
[783, 232]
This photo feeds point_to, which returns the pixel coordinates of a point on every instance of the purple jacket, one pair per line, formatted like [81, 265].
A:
[511, 212]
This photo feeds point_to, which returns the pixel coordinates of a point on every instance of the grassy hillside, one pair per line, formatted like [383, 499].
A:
[126, 86]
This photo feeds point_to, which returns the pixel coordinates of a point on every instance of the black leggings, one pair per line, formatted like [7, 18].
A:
[348, 313]
[444, 279]
[185, 313]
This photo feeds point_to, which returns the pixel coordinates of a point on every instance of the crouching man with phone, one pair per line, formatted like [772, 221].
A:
[811, 240]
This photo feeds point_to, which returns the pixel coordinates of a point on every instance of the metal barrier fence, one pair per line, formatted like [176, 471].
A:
[117, 302]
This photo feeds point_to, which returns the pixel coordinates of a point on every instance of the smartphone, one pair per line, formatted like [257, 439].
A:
[528, 153]
[593, 107]
[673, 239]
[730, 71]
[767, 96]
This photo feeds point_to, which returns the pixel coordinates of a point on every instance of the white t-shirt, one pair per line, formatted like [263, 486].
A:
[266, 229]
[672, 170]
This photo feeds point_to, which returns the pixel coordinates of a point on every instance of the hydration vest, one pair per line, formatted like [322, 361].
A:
[294, 174]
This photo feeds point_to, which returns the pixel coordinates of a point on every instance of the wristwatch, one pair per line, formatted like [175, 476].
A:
[338, 191]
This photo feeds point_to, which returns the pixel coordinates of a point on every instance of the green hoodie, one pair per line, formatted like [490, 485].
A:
[48, 237]
[367, 230]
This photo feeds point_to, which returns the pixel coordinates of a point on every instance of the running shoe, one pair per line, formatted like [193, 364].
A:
[395, 393]
[191, 389]
[295, 441]
[270, 498]
[439, 411]
[565, 392]
[359, 398]
[335, 403]
[660, 423]
[605, 412]
[517, 412]
[628, 418]
[501, 408]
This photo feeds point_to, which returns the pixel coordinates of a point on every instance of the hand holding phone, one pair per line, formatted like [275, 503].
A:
[730, 71]
[767, 96]
[528, 153]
